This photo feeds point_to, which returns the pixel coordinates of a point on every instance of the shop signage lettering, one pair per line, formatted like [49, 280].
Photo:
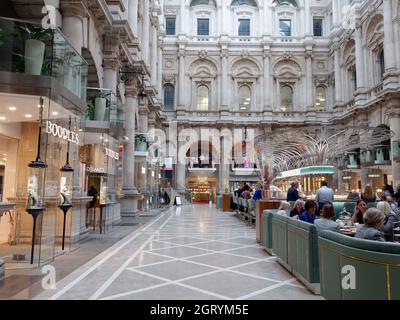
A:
[112, 154]
[63, 133]
[94, 169]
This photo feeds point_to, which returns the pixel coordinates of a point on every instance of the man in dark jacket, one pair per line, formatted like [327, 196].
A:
[293, 194]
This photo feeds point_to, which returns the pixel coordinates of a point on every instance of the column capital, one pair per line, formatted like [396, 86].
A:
[73, 9]
[111, 63]
[131, 91]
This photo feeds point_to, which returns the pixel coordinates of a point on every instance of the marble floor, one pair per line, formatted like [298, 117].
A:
[189, 252]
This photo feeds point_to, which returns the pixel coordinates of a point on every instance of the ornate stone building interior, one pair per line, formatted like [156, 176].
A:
[126, 126]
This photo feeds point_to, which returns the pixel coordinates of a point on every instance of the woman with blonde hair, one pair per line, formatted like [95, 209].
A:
[284, 208]
[368, 195]
[390, 219]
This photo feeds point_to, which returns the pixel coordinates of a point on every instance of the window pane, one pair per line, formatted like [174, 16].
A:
[317, 26]
[285, 27]
[202, 27]
[244, 27]
[320, 101]
[202, 98]
[169, 97]
[381, 60]
[244, 98]
[286, 98]
[170, 26]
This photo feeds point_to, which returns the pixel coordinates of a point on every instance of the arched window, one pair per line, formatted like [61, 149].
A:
[286, 98]
[320, 99]
[381, 62]
[244, 2]
[203, 2]
[202, 97]
[169, 92]
[291, 3]
[244, 98]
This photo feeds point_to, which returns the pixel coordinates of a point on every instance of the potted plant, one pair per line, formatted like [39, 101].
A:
[98, 106]
[34, 47]
[140, 142]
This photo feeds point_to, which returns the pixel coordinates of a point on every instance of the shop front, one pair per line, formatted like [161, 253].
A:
[101, 156]
[41, 105]
[309, 179]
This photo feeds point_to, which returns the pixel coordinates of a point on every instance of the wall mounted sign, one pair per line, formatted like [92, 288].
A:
[112, 154]
[61, 132]
[94, 169]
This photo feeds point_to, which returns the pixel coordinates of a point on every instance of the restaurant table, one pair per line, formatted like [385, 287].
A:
[262, 205]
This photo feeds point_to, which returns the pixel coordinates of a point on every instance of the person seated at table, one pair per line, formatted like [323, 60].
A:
[390, 201]
[298, 209]
[370, 230]
[390, 219]
[326, 222]
[284, 208]
[359, 210]
[308, 214]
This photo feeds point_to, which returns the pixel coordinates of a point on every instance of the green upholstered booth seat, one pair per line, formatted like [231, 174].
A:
[266, 229]
[279, 237]
[376, 265]
[302, 240]
[218, 202]
[338, 206]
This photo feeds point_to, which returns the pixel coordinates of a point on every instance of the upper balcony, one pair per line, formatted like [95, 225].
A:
[105, 112]
[29, 50]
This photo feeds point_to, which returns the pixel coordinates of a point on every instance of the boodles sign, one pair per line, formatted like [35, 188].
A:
[61, 132]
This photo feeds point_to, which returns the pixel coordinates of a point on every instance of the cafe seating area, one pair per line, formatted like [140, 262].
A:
[321, 261]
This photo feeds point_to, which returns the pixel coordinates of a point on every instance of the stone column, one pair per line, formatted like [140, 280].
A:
[181, 85]
[338, 77]
[182, 17]
[267, 81]
[153, 63]
[180, 170]
[389, 41]
[111, 67]
[394, 123]
[146, 31]
[307, 17]
[225, 159]
[309, 82]
[133, 16]
[72, 25]
[359, 57]
[224, 19]
[335, 17]
[159, 74]
[224, 78]
[129, 191]
[143, 119]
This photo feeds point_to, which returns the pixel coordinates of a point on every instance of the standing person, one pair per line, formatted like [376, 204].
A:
[246, 194]
[309, 213]
[368, 195]
[258, 193]
[92, 193]
[323, 196]
[293, 193]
